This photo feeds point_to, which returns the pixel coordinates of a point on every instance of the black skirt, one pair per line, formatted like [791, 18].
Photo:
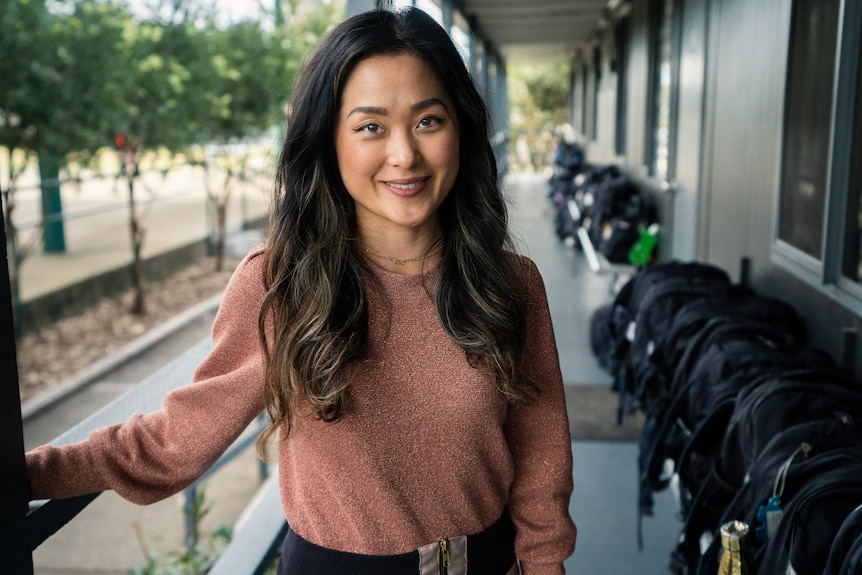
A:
[491, 552]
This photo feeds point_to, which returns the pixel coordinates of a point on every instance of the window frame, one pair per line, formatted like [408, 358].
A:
[826, 273]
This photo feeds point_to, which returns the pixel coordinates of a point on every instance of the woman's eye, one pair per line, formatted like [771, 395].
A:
[429, 121]
[370, 128]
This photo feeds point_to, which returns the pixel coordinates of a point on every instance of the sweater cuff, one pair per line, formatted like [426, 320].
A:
[48, 465]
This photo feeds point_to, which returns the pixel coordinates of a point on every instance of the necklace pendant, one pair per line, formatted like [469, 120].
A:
[399, 262]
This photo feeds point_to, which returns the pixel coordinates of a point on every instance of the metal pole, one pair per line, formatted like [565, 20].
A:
[190, 511]
[52, 206]
[14, 493]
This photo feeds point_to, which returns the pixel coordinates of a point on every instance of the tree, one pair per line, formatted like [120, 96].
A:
[82, 74]
[169, 82]
[538, 96]
[247, 64]
[254, 70]
[61, 87]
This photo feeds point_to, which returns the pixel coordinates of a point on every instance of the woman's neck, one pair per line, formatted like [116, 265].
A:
[403, 257]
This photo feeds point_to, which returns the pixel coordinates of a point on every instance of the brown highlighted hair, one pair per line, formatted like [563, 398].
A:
[316, 299]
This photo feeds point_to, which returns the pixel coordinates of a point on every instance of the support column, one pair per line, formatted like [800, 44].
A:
[14, 492]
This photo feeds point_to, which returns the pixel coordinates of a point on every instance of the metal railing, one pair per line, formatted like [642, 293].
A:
[46, 517]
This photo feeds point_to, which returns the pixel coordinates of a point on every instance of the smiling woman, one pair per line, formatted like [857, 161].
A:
[396, 140]
[402, 350]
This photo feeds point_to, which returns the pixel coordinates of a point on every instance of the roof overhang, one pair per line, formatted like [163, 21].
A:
[538, 30]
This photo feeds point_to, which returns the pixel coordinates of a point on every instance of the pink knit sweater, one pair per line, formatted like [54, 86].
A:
[428, 449]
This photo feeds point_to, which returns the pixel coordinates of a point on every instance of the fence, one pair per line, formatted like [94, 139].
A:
[175, 214]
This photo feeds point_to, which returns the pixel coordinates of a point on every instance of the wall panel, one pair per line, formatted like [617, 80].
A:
[692, 70]
[746, 95]
[636, 107]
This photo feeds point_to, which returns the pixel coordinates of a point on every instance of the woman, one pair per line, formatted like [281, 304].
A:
[404, 354]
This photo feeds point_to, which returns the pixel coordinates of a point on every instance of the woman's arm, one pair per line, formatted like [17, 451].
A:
[153, 456]
[541, 448]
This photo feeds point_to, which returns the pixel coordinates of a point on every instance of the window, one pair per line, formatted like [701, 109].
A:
[852, 266]
[807, 120]
[819, 228]
[660, 134]
[619, 65]
[597, 87]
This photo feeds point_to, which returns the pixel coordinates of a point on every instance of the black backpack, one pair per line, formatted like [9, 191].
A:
[806, 477]
[796, 466]
[778, 402]
[640, 320]
[612, 197]
[729, 354]
[601, 340]
[587, 187]
[624, 228]
[691, 330]
[697, 338]
[717, 461]
[845, 555]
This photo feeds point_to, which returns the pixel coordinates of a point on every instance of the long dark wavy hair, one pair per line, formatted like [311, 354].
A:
[315, 276]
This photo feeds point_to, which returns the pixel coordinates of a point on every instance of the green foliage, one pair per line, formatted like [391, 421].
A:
[61, 81]
[201, 558]
[76, 72]
[538, 96]
[195, 561]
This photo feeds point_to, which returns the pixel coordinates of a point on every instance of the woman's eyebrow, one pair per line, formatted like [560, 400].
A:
[368, 110]
[427, 104]
[379, 111]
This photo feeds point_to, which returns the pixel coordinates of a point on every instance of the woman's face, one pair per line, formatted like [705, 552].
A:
[396, 138]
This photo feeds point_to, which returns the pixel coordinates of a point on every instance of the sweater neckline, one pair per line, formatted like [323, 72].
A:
[404, 286]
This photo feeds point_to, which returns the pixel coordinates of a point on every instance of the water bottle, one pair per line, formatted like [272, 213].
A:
[641, 252]
[734, 555]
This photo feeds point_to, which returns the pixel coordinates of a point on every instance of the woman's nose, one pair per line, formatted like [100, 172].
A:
[403, 150]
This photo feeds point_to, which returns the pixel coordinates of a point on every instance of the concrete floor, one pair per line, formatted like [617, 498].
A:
[604, 503]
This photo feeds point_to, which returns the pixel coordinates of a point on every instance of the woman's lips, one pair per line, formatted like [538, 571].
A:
[406, 187]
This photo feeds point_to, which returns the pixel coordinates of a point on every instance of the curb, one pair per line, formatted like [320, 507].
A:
[89, 374]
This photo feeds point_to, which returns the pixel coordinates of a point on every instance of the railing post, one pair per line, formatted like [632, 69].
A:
[16, 557]
[190, 511]
[262, 465]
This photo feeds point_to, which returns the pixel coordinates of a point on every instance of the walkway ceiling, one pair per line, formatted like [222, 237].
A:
[535, 31]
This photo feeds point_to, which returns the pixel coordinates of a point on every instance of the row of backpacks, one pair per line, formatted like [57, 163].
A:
[601, 200]
[744, 417]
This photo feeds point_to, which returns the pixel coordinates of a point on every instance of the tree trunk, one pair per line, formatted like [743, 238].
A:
[137, 237]
[220, 203]
[221, 224]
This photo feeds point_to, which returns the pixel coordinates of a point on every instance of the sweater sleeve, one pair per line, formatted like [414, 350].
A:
[150, 457]
[541, 448]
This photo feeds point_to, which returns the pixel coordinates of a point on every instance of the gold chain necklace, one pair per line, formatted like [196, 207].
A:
[401, 262]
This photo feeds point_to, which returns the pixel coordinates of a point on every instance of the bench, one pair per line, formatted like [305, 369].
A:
[599, 264]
